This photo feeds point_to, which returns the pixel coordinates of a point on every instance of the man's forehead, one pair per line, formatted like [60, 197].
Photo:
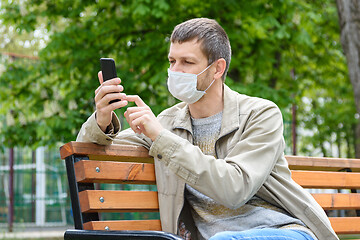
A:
[188, 49]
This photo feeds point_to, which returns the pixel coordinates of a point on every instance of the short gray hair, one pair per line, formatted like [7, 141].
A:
[215, 43]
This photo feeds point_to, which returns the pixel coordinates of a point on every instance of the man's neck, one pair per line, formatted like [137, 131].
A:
[211, 103]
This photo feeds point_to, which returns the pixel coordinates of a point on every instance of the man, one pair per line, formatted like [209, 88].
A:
[220, 167]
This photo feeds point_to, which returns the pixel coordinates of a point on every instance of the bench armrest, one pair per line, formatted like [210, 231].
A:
[74, 234]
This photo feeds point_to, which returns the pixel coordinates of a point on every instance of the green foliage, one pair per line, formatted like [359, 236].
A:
[286, 51]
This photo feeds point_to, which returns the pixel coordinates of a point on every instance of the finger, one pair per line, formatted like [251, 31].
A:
[113, 106]
[100, 76]
[97, 90]
[118, 104]
[140, 122]
[134, 115]
[134, 127]
[135, 98]
[105, 101]
[131, 110]
[113, 81]
[101, 79]
[102, 91]
[109, 89]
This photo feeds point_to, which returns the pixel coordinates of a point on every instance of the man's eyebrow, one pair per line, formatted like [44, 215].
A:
[184, 57]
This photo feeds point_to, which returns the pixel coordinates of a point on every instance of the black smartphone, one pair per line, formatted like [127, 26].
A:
[108, 68]
[108, 71]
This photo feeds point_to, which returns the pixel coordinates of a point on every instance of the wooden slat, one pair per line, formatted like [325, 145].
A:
[113, 152]
[345, 225]
[332, 180]
[118, 201]
[114, 172]
[134, 225]
[322, 163]
[332, 201]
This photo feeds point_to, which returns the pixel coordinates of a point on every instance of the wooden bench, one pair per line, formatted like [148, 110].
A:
[89, 164]
[340, 174]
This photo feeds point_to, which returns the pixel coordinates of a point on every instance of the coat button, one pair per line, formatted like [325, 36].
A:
[159, 156]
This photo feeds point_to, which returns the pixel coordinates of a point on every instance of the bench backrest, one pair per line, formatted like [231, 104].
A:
[342, 176]
[88, 164]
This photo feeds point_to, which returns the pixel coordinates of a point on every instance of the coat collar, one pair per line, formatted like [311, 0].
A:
[231, 113]
[230, 119]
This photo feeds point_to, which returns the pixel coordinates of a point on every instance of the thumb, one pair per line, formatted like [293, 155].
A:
[100, 76]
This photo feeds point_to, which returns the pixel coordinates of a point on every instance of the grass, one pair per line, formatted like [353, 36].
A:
[344, 237]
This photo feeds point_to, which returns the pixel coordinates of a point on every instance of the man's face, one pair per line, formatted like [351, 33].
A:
[187, 57]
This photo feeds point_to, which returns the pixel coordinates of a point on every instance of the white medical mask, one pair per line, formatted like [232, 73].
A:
[183, 86]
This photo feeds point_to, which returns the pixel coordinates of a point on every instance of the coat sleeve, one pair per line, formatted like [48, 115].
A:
[233, 180]
[91, 132]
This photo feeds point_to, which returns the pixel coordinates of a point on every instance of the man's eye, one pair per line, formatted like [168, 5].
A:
[172, 62]
[187, 62]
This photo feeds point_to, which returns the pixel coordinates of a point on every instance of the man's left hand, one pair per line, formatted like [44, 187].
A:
[141, 119]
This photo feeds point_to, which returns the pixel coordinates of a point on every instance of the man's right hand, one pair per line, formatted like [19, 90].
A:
[106, 92]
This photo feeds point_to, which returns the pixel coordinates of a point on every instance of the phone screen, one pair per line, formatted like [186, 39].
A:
[108, 71]
[108, 68]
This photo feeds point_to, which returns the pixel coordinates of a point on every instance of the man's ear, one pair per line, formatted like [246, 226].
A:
[220, 68]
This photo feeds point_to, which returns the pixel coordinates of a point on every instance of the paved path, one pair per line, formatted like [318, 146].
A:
[29, 233]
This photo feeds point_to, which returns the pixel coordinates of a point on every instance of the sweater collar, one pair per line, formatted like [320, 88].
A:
[230, 119]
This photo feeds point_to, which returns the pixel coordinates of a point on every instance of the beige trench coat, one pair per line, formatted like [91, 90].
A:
[250, 161]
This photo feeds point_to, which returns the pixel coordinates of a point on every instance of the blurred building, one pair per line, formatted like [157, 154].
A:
[33, 183]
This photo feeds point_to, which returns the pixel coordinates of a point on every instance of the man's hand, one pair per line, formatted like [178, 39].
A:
[141, 119]
[106, 92]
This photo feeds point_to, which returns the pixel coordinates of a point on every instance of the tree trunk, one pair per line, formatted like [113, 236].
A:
[349, 20]
[338, 143]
